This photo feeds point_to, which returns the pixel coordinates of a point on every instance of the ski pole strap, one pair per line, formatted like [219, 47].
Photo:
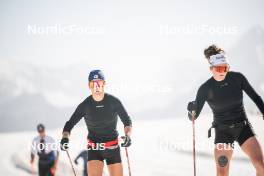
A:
[225, 126]
[210, 132]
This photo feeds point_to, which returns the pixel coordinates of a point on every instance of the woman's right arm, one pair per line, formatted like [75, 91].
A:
[200, 99]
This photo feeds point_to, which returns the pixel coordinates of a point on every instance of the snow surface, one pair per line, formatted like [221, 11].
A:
[159, 148]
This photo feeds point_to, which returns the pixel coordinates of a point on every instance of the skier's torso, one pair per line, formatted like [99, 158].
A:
[100, 118]
[44, 148]
[225, 98]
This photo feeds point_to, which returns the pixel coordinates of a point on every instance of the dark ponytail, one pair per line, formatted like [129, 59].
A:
[212, 50]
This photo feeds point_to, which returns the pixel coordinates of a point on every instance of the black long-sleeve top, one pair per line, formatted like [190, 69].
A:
[100, 118]
[225, 98]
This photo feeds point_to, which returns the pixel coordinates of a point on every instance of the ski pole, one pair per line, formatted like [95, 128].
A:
[194, 152]
[73, 170]
[128, 163]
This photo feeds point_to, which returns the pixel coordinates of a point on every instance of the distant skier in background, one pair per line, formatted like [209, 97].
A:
[84, 156]
[224, 94]
[100, 112]
[45, 147]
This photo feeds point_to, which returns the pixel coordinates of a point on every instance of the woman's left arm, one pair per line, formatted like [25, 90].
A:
[250, 91]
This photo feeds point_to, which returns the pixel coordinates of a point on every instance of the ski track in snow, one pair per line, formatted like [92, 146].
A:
[149, 154]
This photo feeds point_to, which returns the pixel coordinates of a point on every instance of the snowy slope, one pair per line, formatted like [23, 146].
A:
[160, 148]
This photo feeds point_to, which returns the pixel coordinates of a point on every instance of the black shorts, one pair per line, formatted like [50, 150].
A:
[111, 156]
[230, 135]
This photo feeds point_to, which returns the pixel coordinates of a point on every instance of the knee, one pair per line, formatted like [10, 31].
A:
[222, 166]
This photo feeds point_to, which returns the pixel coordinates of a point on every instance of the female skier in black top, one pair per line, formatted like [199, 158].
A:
[224, 94]
[100, 111]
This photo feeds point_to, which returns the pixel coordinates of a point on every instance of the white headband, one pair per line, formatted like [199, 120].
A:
[218, 59]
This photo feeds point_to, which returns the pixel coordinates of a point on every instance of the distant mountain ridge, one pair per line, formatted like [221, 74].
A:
[26, 90]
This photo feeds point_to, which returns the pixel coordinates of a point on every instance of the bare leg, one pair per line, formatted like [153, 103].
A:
[95, 168]
[223, 154]
[115, 169]
[253, 149]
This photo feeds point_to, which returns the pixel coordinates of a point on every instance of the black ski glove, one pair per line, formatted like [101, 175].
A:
[192, 107]
[127, 141]
[64, 144]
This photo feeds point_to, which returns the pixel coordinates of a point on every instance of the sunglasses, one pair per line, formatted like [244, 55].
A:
[221, 69]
